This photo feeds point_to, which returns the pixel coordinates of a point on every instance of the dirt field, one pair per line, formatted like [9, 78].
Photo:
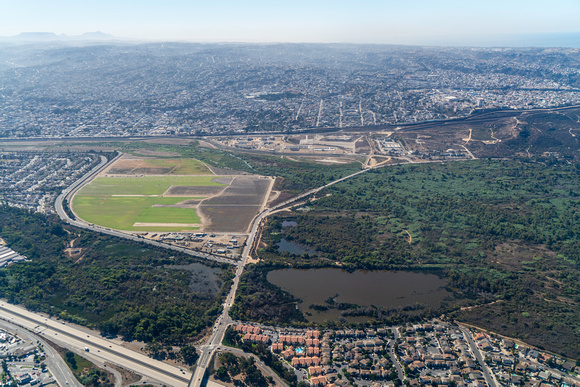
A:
[243, 190]
[192, 191]
[170, 194]
[234, 219]
[134, 165]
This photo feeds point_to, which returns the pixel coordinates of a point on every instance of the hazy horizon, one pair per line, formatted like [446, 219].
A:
[416, 22]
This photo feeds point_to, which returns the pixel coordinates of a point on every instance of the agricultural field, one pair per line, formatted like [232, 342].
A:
[161, 198]
[158, 166]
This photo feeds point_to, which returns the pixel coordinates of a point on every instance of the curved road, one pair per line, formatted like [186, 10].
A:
[69, 192]
[223, 321]
[55, 364]
[106, 350]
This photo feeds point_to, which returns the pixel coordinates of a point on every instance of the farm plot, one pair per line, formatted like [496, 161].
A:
[236, 206]
[170, 202]
[139, 204]
[158, 166]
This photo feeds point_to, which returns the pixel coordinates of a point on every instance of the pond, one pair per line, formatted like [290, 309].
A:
[204, 281]
[381, 288]
[285, 246]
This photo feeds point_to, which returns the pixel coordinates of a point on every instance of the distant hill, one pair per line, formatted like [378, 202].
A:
[51, 37]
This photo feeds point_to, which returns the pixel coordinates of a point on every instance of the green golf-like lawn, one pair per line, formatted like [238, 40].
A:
[120, 202]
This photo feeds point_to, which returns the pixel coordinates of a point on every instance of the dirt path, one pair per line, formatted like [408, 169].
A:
[468, 138]
[410, 237]
[496, 140]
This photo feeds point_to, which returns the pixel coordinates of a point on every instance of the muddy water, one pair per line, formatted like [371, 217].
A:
[382, 288]
[204, 281]
[285, 246]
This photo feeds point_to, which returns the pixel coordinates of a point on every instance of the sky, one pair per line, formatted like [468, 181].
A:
[327, 21]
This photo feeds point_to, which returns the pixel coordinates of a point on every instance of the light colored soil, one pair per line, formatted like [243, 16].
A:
[146, 152]
[331, 161]
[166, 225]
[127, 376]
[171, 141]
[139, 196]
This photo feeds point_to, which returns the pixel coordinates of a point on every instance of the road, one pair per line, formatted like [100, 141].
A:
[393, 356]
[69, 193]
[55, 364]
[207, 350]
[224, 320]
[260, 363]
[489, 378]
[105, 350]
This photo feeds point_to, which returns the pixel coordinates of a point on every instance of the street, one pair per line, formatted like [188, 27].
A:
[107, 350]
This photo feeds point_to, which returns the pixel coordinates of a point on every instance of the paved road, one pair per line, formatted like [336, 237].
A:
[475, 349]
[106, 350]
[69, 192]
[207, 351]
[55, 364]
[393, 356]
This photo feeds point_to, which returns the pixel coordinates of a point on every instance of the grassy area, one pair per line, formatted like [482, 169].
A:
[179, 166]
[97, 202]
[296, 176]
[122, 212]
[160, 166]
[145, 185]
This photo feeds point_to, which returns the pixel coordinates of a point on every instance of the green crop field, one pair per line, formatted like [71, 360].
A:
[144, 185]
[180, 166]
[108, 201]
[161, 166]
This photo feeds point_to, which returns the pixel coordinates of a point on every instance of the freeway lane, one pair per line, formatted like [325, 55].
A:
[106, 350]
[55, 364]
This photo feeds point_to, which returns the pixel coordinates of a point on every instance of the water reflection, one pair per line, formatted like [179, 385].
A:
[381, 288]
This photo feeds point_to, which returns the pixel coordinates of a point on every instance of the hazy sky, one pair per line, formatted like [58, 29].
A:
[358, 21]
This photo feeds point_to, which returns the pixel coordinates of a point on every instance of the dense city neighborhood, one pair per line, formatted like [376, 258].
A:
[185, 89]
[33, 180]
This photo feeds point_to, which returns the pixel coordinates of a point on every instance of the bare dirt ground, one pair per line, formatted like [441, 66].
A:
[193, 191]
[138, 224]
[146, 152]
[75, 252]
[171, 141]
[234, 209]
[234, 219]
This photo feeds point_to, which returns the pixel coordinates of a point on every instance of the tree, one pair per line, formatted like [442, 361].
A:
[189, 354]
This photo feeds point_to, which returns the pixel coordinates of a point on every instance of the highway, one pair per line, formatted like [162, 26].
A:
[206, 351]
[106, 350]
[55, 364]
